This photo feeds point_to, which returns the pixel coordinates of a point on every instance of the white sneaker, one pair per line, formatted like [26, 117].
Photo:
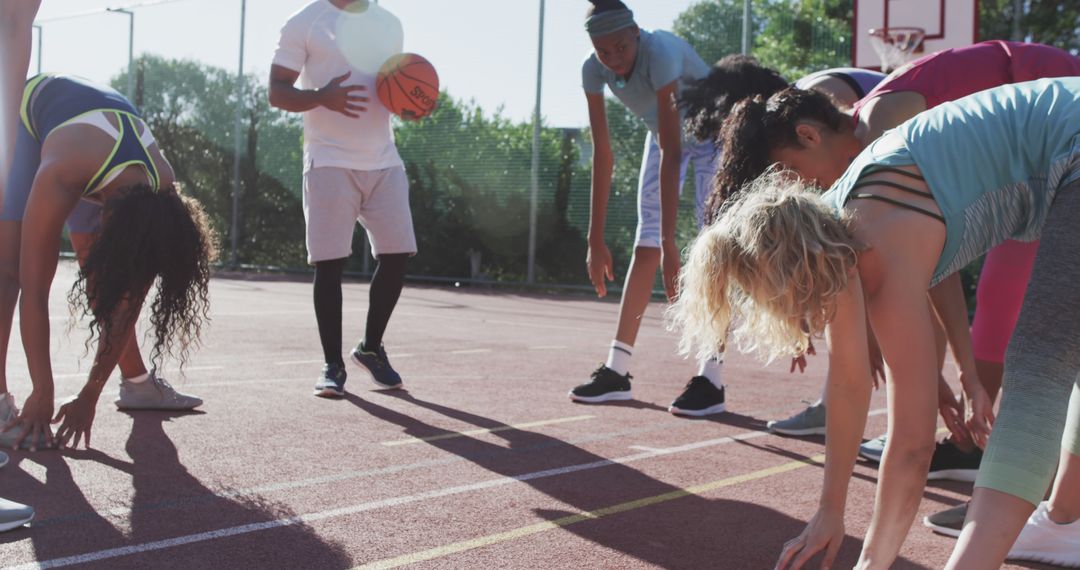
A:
[154, 393]
[14, 515]
[1043, 540]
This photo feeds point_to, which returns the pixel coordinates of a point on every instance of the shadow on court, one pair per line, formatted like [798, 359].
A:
[686, 532]
[68, 525]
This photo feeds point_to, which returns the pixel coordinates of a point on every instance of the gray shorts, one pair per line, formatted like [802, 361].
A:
[704, 156]
[336, 198]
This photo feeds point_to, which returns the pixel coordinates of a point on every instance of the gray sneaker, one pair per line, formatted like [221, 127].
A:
[14, 515]
[331, 382]
[378, 365]
[810, 421]
[155, 393]
[873, 449]
[8, 412]
[948, 522]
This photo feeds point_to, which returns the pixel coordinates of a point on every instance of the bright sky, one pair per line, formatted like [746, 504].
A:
[483, 49]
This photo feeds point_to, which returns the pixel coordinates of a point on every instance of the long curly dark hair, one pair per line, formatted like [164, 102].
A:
[706, 102]
[149, 237]
[754, 128]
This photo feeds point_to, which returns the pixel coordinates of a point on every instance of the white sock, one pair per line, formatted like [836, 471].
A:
[618, 358]
[711, 369]
[138, 379]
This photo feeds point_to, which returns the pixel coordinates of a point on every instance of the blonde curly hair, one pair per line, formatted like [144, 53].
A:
[770, 269]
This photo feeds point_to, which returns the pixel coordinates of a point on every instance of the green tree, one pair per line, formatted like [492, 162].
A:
[1050, 22]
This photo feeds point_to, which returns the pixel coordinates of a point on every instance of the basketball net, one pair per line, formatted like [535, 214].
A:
[895, 46]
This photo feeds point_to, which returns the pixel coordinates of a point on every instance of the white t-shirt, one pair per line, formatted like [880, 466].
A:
[323, 42]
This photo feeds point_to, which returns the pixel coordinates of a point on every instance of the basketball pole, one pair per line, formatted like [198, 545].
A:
[235, 237]
[746, 11]
[530, 274]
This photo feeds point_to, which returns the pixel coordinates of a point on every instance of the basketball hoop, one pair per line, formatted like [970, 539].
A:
[895, 45]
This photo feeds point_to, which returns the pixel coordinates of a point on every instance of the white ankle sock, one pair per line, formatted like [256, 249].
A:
[619, 357]
[711, 369]
[138, 379]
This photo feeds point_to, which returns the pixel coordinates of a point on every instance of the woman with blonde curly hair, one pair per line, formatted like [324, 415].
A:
[782, 264]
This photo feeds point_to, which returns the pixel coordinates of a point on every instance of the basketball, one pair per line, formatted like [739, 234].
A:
[408, 86]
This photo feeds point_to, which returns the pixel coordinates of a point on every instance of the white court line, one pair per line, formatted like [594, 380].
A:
[384, 503]
[553, 347]
[471, 351]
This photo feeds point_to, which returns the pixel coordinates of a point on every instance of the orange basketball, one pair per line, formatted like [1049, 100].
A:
[408, 85]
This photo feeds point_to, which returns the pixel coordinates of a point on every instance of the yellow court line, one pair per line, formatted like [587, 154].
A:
[524, 531]
[454, 434]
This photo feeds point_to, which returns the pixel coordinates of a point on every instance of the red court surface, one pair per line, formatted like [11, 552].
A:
[482, 462]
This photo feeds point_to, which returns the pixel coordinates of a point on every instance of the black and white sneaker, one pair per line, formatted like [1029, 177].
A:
[952, 464]
[603, 386]
[699, 398]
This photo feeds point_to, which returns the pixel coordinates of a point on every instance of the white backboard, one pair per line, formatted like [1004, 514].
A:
[948, 24]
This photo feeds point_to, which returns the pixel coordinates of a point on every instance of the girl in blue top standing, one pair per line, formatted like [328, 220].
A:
[645, 71]
[916, 205]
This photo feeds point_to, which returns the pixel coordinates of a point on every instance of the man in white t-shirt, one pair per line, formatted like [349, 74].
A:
[352, 171]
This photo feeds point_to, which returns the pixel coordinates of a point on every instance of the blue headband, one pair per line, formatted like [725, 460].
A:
[605, 23]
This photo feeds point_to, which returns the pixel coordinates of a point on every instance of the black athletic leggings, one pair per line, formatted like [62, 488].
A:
[386, 285]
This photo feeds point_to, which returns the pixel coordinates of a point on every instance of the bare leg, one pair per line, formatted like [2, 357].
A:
[9, 290]
[1000, 517]
[637, 292]
[131, 361]
[1064, 506]
[16, 21]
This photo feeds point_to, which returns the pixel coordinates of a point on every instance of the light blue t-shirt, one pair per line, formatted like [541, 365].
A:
[993, 160]
[662, 58]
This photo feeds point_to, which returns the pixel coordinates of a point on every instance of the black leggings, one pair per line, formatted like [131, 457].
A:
[386, 285]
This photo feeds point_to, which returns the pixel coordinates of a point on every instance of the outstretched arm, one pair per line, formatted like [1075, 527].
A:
[847, 405]
[598, 260]
[670, 143]
[43, 222]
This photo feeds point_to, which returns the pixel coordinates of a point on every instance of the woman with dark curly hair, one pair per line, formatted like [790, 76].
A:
[83, 154]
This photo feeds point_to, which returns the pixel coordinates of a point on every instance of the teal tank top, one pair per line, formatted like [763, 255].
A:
[993, 160]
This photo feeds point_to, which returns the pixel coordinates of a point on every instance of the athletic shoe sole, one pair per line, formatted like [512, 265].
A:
[120, 406]
[962, 475]
[1068, 560]
[796, 432]
[609, 397]
[719, 408]
[329, 393]
[868, 457]
[940, 529]
[15, 524]
[372, 376]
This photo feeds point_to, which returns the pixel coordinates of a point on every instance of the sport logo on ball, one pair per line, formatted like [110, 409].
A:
[408, 86]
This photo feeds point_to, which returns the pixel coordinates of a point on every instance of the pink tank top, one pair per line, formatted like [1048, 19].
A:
[954, 73]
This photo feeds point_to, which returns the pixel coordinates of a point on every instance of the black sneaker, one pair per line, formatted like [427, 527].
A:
[951, 463]
[332, 382]
[378, 365]
[604, 385]
[948, 522]
[699, 398]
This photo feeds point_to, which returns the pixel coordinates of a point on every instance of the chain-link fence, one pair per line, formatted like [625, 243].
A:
[470, 168]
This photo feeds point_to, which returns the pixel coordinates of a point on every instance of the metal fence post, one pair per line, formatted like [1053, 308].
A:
[746, 39]
[131, 49]
[535, 182]
[235, 231]
[40, 33]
